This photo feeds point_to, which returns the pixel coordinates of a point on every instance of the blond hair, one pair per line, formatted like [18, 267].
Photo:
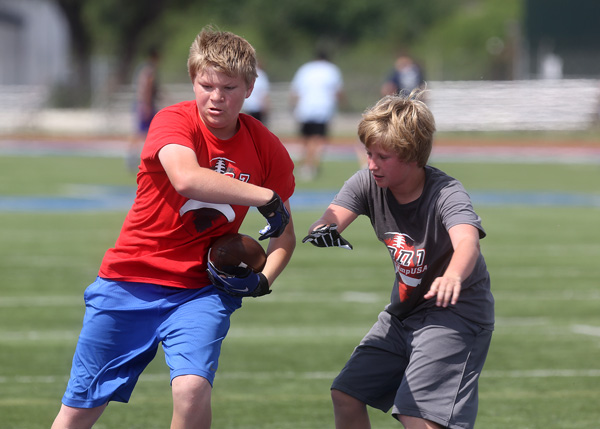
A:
[402, 124]
[224, 52]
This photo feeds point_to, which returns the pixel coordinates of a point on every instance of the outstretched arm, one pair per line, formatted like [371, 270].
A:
[465, 241]
[339, 215]
[326, 231]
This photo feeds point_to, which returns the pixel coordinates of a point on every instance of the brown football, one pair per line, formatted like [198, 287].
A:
[235, 253]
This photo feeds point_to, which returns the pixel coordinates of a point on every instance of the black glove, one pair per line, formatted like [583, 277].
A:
[327, 236]
[252, 284]
[277, 218]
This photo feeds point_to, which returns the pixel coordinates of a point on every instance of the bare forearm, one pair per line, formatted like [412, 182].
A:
[447, 288]
[342, 217]
[203, 184]
[279, 253]
[212, 187]
[464, 259]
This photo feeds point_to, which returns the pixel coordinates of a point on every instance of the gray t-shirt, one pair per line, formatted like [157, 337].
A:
[416, 235]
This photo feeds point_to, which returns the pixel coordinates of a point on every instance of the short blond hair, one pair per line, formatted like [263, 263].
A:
[224, 52]
[402, 124]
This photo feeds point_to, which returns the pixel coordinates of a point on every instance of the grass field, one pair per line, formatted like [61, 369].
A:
[283, 350]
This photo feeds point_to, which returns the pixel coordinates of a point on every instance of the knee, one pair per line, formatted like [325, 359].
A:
[410, 422]
[191, 402]
[77, 417]
[344, 401]
[191, 391]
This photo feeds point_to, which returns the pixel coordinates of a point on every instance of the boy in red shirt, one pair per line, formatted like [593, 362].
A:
[202, 166]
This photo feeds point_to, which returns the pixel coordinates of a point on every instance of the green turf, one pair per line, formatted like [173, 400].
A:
[50, 175]
[543, 370]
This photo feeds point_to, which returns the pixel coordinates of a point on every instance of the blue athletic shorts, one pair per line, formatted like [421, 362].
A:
[124, 324]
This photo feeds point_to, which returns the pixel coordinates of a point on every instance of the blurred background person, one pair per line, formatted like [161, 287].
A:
[552, 67]
[146, 105]
[259, 102]
[316, 89]
[404, 77]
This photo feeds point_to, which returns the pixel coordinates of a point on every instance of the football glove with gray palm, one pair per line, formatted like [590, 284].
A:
[327, 236]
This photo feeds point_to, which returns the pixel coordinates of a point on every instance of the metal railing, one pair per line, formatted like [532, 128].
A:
[567, 104]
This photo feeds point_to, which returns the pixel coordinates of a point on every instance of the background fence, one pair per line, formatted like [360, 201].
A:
[566, 104]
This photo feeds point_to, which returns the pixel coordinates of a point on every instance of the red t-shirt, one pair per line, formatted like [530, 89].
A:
[165, 237]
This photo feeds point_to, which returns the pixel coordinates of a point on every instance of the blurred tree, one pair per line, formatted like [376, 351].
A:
[126, 28]
[474, 42]
[121, 28]
[461, 39]
[79, 91]
[286, 25]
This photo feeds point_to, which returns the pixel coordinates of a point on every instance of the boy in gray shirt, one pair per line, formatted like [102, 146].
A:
[424, 355]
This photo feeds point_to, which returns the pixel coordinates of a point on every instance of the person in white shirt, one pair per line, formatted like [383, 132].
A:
[316, 89]
[259, 102]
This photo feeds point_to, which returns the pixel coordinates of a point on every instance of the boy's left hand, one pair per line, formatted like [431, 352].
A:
[253, 284]
[327, 236]
[446, 290]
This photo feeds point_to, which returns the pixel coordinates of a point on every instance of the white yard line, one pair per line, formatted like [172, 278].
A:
[312, 375]
[250, 333]
[593, 331]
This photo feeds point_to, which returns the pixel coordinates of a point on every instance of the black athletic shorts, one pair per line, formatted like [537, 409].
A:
[425, 366]
[308, 129]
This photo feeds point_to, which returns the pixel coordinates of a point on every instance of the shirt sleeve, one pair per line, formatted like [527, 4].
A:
[455, 208]
[172, 125]
[277, 165]
[353, 195]
[281, 174]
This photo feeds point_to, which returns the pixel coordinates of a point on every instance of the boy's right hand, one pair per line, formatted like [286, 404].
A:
[277, 218]
[327, 236]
